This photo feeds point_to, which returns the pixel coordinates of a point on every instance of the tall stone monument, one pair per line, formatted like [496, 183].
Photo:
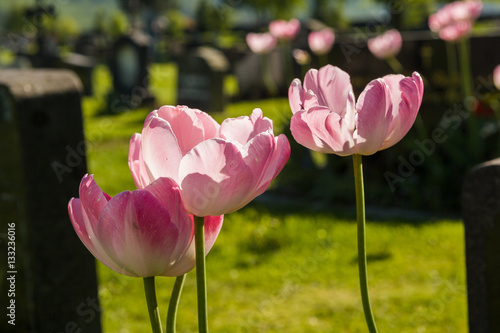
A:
[50, 282]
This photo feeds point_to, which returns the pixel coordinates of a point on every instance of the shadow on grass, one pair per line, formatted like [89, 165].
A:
[279, 205]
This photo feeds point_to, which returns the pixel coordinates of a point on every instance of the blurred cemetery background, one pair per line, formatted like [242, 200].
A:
[127, 57]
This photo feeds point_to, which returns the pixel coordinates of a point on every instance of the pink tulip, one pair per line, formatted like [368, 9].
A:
[220, 168]
[496, 77]
[453, 32]
[142, 233]
[386, 45]
[455, 19]
[261, 43]
[327, 119]
[286, 30]
[321, 42]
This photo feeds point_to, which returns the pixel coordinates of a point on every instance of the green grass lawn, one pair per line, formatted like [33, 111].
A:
[285, 267]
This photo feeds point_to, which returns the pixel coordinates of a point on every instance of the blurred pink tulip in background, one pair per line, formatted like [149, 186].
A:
[261, 43]
[386, 45]
[455, 20]
[327, 119]
[286, 30]
[321, 42]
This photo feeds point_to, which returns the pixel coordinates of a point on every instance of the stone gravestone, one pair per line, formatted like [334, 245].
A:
[481, 213]
[201, 79]
[249, 73]
[50, 282]
[128, 63]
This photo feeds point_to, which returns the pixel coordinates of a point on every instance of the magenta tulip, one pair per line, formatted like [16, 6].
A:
[496, 77]
[143, 233]
[220, 168]
[261, 43]
[455, 19]
[327, 119]
[286, 30]
[386, 45]
[321, 42]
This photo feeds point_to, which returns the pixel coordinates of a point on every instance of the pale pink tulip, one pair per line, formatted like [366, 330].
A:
[327, 119]
[142, 233]
[220, 168]
[453, 32]
[455, 19]
[386, 45]
[321, 42]
[496, 77]
[261, 43]
[286, 30]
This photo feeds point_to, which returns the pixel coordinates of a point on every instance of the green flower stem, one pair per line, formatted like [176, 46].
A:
[154, 312]
[465, 72]
[469, 98]
[267, 76]
[452, 60]
[395, 65]
[360, 212]
[201, 273]
[323, 59]
[174, 303]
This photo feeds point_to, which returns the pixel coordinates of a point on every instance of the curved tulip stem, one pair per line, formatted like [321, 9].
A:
[465, 72]
[395, 65]
[451, 56]
[323, 59]
[174, 303]
[360, 212]
[201, 273]
[469, 98]
[154, 312]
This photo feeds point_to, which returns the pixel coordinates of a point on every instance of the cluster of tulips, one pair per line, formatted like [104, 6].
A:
[190, 170]
[320, 42]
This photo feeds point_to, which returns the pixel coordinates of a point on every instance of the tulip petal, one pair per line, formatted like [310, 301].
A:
[168, 194]
[136, 231]
[374, 117]
[332, 87]
[309, 128]
[136, 163]
[406, 94]
[210, 126]
[243, 129]
[341, 131]
[275, 163]
[214, 178]
[187, 262]
[92, 197]
[161, 152]
[78, 220]
[187, 128]
[296, 96]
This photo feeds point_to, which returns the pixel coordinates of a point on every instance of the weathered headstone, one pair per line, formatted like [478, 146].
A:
[49, 284]
[249, 73]
[481, 213]
[129, 62]
[201, 79]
